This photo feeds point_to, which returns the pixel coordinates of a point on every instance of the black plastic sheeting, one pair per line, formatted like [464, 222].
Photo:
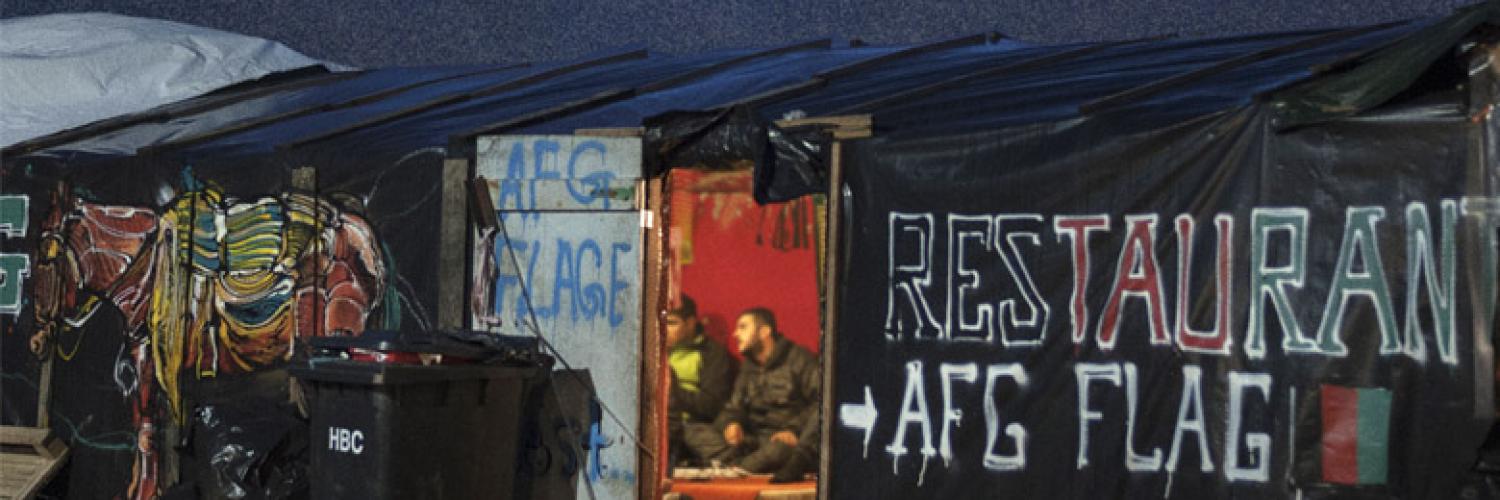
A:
[1036, 94]
[1376, 76]
[752, 78]
[245, 452]
[1022, 316]
[432, 128]
[966, 94]
[961, 92]
[730, 139]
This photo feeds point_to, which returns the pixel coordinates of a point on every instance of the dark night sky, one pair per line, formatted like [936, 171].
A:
[400, 32]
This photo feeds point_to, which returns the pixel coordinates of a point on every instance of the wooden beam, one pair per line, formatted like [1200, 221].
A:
[829, 366]
[655, 268]
[611, 132]
[44, 393]
[844, 127]
[453, 245]
[24, 436]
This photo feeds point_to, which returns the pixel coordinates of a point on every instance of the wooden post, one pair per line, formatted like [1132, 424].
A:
[453, 245]
[830, 318]
[653, 342]
[44, 391]
[1480, 179]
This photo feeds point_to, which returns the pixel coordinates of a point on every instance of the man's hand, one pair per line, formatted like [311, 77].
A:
[785, 437]
[734, 434]
[39, 342]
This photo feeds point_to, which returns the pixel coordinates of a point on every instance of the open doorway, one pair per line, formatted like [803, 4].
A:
[729, 256]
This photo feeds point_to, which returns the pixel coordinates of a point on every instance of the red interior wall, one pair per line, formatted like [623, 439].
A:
[735, 265]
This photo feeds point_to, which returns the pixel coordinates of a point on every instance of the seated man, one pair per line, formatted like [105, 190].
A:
[771, 421]
[702, 374]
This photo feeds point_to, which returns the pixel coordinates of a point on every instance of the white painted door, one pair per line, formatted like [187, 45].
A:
[572, 243]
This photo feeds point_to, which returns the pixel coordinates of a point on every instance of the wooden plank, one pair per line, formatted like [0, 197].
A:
[39, 478]
[20, 466]
[563, 194]
[830, 317]
[16, 473]
[844, 127]
[611, 132]
[19, 462]
[54, 448]
[850, 121]
[44, 395]
[787, 495]
[22, 475]
[29, 436]
[453, 271]
[653, 341]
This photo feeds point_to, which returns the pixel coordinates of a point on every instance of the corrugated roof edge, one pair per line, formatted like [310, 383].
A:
[457, 141]
[320, 108]
[270, 84]
[509, 85]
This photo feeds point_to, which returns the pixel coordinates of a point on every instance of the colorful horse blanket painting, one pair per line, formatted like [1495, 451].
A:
[208, 286]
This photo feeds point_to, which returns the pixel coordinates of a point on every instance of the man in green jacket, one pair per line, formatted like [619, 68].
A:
[771, 421]
[702, 376]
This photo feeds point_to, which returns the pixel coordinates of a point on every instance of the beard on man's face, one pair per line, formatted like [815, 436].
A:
[751, 348]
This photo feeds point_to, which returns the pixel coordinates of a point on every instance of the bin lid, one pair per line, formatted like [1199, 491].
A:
[478, 346]
[344, 371]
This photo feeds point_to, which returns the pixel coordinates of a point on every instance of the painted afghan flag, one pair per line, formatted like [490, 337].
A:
[1356, 434]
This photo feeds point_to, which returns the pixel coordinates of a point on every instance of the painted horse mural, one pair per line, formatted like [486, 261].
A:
[208, 286]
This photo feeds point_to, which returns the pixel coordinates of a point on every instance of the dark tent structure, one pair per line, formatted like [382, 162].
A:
[1025, 297]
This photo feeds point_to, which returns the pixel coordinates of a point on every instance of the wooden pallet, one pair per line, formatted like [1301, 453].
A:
[32, 455]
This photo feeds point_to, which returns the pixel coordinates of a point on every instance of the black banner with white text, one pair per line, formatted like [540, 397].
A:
[1208, 310]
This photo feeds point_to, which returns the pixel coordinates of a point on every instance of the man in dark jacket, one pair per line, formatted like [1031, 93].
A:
[771, 421]
[702, 376]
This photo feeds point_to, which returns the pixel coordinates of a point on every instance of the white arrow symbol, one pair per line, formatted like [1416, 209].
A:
[860, 417]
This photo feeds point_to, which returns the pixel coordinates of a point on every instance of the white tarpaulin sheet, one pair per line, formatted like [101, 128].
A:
[64, 70]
